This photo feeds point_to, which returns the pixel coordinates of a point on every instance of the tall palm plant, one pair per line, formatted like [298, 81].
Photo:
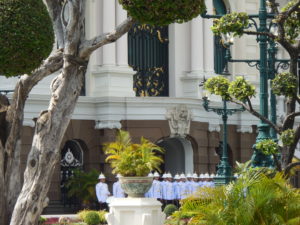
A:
[130, 159]
[257, 197]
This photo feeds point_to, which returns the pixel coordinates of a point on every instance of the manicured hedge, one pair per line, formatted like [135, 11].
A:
[163, 12]
[26, 36]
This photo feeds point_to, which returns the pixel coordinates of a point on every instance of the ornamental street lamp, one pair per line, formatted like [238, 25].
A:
[224, 173]
[266, 64]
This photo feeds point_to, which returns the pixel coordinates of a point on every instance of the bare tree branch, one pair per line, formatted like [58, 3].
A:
[289, 167]
[270, 35]
[291, 149]
[273, 5]
[291, 116]
[55, 11]
[294, 8]
[89, 46]
[250, 109]
[277, 162]
[15, 113]
[281, 19]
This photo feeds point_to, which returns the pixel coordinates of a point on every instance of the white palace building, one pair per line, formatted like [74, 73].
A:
[148, 83]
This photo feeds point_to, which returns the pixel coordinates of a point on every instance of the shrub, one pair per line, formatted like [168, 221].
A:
[42, 220]
[163, 12]
[92, 218]
[84, 214]
[169, 209]
[26, 36]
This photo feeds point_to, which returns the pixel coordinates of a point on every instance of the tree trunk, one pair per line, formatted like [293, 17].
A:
[65, 88]
[45, 151]
[2, 187]
[289, 152]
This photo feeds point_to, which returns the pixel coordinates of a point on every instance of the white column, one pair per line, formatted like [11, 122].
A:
[114, 77]
[197, 45]
[208, 43]
[192, 80]
[109, 23]
[122, 43]
[94, 28]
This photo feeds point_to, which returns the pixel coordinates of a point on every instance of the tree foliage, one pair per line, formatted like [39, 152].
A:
[82, 185]
[231, 23]
[163, 12]
[241, 89]
[285, 84]
[26, 36]
[267, 146]
[218, 85]
[292, 23]
[287, 22]
[287, 137]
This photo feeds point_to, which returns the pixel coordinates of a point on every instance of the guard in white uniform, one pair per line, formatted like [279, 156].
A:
[194, 184]
[118, 192]
[168, 190]
[163, 197]
[157, 187]
[149, 193]
[102, 192]
[176, 189]
[211, 182]
[182, 187]
[189, 183]
[201, 180]
[206, 182]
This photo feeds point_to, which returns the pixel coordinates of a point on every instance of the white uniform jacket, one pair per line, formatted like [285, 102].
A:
[102, 192]
[118, 192]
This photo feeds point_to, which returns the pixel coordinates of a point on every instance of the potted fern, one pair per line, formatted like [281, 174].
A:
[134, 162]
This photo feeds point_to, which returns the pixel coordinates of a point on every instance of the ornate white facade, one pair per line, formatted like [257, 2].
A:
[109, 94]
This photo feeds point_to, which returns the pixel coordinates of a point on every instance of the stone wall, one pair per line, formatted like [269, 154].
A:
[203, 143]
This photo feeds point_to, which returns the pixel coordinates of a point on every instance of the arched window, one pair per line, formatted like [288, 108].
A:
[148, 56]
[219, 49]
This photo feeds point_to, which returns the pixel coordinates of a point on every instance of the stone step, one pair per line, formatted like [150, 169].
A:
[57, 207]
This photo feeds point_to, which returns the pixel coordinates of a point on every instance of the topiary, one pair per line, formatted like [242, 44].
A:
[163, 12]
[26, 36]
[234, 23]
[170, 209]
[218, 86]
[267, 146]
[92, 218]
[240, 89]
[84, 213]
[285, 84]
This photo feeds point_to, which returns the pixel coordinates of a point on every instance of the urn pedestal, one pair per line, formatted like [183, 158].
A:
[135, 211]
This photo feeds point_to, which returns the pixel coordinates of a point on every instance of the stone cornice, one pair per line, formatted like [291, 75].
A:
[107, 109]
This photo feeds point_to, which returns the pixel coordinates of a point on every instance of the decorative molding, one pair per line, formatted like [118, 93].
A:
[245, 129]
[214, 127]
[179, 118]
[109, 124]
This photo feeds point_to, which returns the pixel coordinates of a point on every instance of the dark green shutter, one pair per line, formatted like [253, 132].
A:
[219, 49]
[148, 56]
